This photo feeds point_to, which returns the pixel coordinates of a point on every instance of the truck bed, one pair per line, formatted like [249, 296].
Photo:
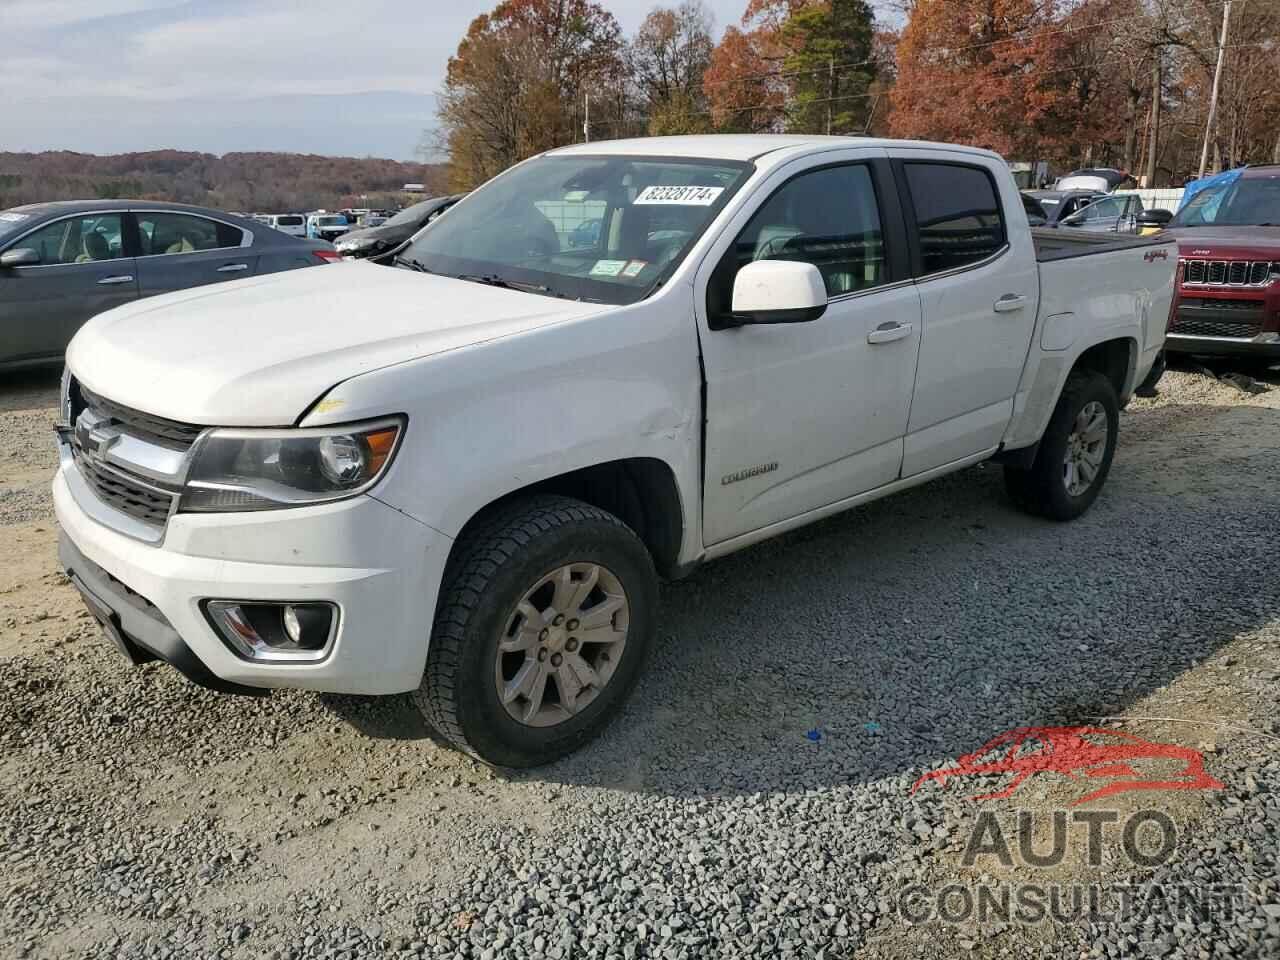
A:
[1062, 244]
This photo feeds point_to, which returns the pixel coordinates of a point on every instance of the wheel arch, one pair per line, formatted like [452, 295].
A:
[642, 492]
[1115, 359]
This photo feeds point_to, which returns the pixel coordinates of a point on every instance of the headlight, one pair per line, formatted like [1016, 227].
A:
[357, 243]
[270, 469]
[64, 397]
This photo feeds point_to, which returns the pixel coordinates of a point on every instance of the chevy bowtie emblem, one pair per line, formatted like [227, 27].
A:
[95, 435]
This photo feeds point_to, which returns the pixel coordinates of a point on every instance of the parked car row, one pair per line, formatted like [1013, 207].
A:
[1228, 230]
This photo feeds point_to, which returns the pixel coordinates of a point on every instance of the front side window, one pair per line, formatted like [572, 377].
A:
[170, 233]
[597, 228]
[826, 217]
[85, 239]
[957, 214]
[1106, 209]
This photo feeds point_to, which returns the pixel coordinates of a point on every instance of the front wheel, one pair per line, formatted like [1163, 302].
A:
[1075, 452]
[545, 617]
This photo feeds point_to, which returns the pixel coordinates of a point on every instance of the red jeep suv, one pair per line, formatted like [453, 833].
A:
[1228, 297]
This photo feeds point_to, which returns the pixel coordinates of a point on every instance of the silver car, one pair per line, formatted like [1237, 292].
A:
[64, 262]
[1115, 213]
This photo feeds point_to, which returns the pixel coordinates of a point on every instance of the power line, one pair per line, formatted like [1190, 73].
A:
[783, 75]
[732, 111]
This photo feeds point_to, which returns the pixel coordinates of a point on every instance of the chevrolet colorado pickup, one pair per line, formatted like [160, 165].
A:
[462, 477]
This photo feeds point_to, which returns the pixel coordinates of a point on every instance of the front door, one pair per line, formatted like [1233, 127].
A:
[82, 271]
[801, 415]
[182, 250]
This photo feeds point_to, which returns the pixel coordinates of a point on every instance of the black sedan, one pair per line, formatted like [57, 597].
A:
[64, 262]
[382, 244]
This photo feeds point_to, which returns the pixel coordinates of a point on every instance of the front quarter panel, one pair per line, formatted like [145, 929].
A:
[496, 417]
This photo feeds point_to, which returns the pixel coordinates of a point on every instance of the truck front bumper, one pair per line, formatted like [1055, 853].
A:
[379, 567]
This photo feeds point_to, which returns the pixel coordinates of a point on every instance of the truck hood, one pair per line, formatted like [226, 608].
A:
[1227, 243]
[260, 351]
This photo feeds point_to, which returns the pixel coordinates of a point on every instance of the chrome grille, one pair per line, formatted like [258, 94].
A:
[1229, 273]
[124, 493]
[142, 425]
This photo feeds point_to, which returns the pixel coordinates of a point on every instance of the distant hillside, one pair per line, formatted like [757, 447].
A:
[251, 182]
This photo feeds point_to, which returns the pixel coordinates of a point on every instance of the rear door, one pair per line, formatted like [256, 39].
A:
[802, 415]
[84, 269]
[182, 250]
[976, 272]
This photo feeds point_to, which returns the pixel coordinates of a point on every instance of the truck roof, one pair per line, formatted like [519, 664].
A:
[735, 146]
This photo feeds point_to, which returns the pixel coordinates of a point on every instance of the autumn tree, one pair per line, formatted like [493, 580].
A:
[968, 72]
[667, 60]
[793, 65]
[516, 83]
[743, 91]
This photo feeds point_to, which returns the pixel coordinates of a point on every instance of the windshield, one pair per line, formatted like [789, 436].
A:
[1246, 201]
[11, 221]
[605, 229]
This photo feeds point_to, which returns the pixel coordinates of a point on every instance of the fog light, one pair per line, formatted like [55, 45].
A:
[291, 625]
[285, 632]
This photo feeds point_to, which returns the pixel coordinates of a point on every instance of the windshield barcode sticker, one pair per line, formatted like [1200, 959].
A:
[686, 196]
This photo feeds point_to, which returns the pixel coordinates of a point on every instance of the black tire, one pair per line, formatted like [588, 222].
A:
[491, 570]
[1041, 490]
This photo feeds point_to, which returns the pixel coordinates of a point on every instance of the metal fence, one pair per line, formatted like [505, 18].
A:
[1166, 198]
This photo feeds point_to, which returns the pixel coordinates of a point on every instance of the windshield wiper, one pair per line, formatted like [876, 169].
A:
[492, 280]
[411, 264]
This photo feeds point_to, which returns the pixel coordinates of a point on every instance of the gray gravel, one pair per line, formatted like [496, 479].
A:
[754, 798]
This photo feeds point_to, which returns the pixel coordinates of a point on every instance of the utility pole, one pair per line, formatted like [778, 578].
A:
[831, 89]
[1155, 119]
[586, 117]
[1217, 81]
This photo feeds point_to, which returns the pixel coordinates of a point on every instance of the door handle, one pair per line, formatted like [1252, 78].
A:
[233, 268]
[889, 332]
[112, 281]
[1009, 302]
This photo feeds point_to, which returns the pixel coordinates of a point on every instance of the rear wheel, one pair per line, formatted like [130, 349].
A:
[544, 621]
[1075, 452]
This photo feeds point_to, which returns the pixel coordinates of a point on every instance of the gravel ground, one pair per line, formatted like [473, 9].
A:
[755, 797]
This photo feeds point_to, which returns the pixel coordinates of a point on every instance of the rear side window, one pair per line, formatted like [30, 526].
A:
[170, 233]
[289, 221]
[957, 214]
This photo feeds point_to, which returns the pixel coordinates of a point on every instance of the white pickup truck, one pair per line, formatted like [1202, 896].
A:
[463, 477]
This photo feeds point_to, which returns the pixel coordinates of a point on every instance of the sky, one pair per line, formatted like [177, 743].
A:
[339, 77]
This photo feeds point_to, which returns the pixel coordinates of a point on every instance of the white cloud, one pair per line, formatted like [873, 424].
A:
[46, 14]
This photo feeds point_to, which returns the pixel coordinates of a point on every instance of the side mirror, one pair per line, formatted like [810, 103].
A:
[1155, 217]
[778, 291]
[21, 257]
